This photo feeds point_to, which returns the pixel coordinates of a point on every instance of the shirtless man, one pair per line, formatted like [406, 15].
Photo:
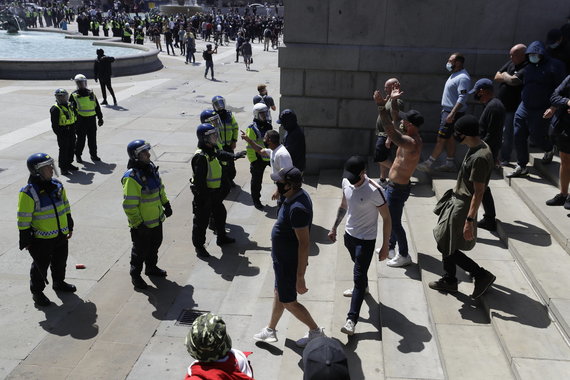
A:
[409, 145]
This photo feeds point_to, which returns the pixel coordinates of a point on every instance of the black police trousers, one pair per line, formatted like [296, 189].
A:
[47, 253]
[66, 144]
[146, 242]
[256, 169]
[203, 205]
[230, 166]
[86, 127]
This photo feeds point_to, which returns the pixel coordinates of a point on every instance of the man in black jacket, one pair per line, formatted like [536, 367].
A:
[294, 139]
[103, 72]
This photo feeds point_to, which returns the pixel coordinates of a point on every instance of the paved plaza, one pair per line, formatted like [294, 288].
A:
[107, 330]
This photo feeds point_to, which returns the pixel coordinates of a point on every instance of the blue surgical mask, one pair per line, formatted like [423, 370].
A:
[534, 58]
[449, 66]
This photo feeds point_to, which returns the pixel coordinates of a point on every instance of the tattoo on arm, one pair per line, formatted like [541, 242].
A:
[339, 216]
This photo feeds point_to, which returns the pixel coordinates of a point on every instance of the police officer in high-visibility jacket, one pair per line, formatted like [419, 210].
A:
[229, 132]
[206, 187]
[87, 108]
[63, 120]
[257, 163]
[146, 206]
[45, 224]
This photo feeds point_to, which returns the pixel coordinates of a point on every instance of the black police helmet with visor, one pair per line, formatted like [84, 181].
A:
[37, 161]
[207, 135]
[61, 96]
[211, 117]
[219, 103]
[136, 147]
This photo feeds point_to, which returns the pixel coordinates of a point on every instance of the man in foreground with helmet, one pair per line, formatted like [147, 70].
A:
[456, 227]
[257, 163]
[209, 343]
[228, 134]
[89, 115]
[290, 242]
[45, 224]
[206, 185]
[63, 124]
[146, 206]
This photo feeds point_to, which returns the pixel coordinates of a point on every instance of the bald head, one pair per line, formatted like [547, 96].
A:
[517, 54]
[390, 83]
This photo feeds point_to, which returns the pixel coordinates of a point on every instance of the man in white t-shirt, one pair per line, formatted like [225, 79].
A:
[279, 157]
[362, 199]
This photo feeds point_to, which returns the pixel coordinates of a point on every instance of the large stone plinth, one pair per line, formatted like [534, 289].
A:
[338, 51]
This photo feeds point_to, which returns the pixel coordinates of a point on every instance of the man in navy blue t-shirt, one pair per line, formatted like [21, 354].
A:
[290, 253]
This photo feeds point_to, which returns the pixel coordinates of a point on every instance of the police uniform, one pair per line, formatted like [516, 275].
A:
[127, 33]
[44, 221]
[144, 203]
[256, 131]
[87, 108]
[228, 137]
[63, 120]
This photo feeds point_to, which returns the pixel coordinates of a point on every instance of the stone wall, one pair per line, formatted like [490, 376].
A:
[338, 51]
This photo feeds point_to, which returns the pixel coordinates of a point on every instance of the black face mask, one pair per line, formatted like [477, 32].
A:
[477, 97]
[281, 188]
[459, 137]
[265, 144]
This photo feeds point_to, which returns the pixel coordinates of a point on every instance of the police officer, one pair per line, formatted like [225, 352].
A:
[206, 186]
[94, 26]
[257, 163]
[139, 35]
[127, 33]
[63, 124]
[45, 225]
[228, 133]
[87, 108]
[146, 206]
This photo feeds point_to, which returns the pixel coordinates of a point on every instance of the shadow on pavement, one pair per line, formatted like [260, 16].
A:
[275, 351]
[117, 108]
[164, 293]
[527, 233]
[99, 167]
[81, 177]
[413, 336]
[79, 323]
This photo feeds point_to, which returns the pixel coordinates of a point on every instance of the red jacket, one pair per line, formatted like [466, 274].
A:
[227, 370]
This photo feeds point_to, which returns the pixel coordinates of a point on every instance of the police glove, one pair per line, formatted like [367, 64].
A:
[26, 238]
[100, 122]
[167, 209]
[239, 155]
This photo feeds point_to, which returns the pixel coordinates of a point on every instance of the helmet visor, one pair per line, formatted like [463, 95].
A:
[145, 153]
[215, 121]
[211, 137]
[219, 104]
[44, 173]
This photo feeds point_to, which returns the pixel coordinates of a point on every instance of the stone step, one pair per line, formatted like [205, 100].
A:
[518, 304]
[461, 328]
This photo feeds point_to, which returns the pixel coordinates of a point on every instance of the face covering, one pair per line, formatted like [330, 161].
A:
[554, 45]
[459, 137]
[449, 66]
[281, 188]
[477, 97]
[534, 58]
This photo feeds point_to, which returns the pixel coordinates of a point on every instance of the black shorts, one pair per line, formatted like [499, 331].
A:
[445, 130]
[381, 152]
[563, 143]
[286, 278]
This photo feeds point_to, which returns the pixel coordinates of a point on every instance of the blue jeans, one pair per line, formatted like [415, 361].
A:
[361, 253]
[397, 195]
[508, 136]
[529, 122]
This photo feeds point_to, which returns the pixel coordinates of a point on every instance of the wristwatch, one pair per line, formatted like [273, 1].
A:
[469, 219]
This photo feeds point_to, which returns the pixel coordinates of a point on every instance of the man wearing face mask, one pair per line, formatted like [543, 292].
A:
[539, 79]
[491, 124]
[362, 200]
[454, 105]
[456, 228]
[257, 163]
[557, 47]
[45, 225]
[294, 139]
[206, 185]
[146, 206]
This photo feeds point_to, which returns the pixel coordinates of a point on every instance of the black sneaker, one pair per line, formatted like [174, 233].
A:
[78, 159]
[64, 287]
[487, 224]
[201, 252]
[222, 240]
[482, 282]
[104, 102]
[156, 271]
[72, 167]
[547, 158]
[65, 172]
[40, 299]
[444, 285]
[558, 200]
[138, 282]
[567, 203]
[95, 159]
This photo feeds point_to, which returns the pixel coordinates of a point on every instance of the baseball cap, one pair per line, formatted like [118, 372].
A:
[290, 174]
[467, 125]
[324, 359]
[353, 167]
[207, 340]
[413, 117]
[553, 36]
[286, 116]
[481, 83]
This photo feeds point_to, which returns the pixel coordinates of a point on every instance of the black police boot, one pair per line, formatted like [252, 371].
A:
[156, 271]
[138, 282]
[95, 158]
[202, 252]
[72, 167]
[78, 159]
[224, 239]
[64, 287]
[65, 172]
[40, 299]
[104, 102]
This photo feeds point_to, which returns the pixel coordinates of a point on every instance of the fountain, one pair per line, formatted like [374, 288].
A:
[10, 22]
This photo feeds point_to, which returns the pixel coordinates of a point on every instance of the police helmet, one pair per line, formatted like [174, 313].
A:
[61, 96]
[135, 147]
[219, 103]
[204, 131]
[37, 161]
[80, 78]
[260, 111]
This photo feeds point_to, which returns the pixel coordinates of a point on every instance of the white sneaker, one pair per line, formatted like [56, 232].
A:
[399, 261]
[391, 252]
[424, 166]
[348, 292]
[348, 328]
[312, 334]
[266, 335]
